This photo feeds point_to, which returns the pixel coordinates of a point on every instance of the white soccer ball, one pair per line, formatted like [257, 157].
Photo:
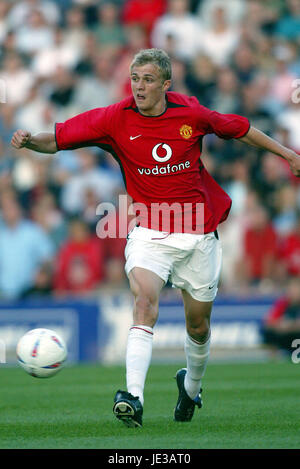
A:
[41, 352]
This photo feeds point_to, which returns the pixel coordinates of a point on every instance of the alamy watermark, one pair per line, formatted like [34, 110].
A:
[296, 93]
[176, 217]
[296, 353]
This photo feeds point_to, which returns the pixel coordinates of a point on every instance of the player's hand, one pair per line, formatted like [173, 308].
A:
[294, 162]
[20, 138]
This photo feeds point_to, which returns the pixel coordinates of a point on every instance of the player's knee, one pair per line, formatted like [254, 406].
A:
[146, 302]
[146, 309]
[200, 331]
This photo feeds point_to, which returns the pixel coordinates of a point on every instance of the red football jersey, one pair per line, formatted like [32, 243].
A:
[160, 158]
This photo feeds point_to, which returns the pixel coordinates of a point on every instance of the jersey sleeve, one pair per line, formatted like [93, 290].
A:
[87, 129]
[225, 126]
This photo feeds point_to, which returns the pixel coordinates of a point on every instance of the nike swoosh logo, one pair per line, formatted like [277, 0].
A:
[133, 138]
[211, 287]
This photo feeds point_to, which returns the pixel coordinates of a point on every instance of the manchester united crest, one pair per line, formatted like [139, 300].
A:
[186, 131]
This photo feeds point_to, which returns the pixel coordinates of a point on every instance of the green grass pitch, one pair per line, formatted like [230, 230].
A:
[245, 406]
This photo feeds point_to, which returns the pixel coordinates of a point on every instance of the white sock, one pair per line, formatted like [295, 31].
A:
[197, 358]
[138, 357]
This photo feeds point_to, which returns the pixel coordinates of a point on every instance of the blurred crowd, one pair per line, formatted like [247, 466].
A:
[62, 57]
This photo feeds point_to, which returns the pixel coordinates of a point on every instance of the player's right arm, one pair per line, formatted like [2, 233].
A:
[42, 142]
[89, 128]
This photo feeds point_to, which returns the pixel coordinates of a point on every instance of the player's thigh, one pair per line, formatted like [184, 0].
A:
[147, 267]
[145, 286]
[146, 282]
[197, 315]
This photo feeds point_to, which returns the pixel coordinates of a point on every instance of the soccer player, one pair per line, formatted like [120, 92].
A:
[156, 136]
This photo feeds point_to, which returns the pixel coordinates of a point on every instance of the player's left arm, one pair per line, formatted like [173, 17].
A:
[258, 139]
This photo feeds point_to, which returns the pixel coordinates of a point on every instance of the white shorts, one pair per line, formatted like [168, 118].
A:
[190, 262]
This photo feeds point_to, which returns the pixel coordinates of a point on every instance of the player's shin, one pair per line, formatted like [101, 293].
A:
[197, 357]
[138, 357]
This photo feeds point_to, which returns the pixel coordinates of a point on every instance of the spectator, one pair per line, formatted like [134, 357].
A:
[88, 177]
[264, 58]
[47, 215]
[31, 177]
[96, 89]
[121, 220]
[294, 58]
[62, 92]
[60, 54]
[235, 11]
[179, 77]
[243, 62]
[37, 113]
[35, 34]
[201, 79]
[286, 209]
[22, 10]
[108, 31]
[250, 106]
[219, 41]
[260, 17]
[24, 247]
[289, 253]
[63, 167]
[9, 48]
[282, 323]
[115, 277]
[136, 39]
[7, 123]
[42, 284]
[89, 211]
[89, 8]
[75, 29]
[281, 83]
[226, 96]
[114, 257]
[18, 79]
[85, 65]
[6, 166]
[259, 249]
[232, 235]
[269, 180]
[268, 101]
[144, 12]
[288, 27]
[80, 262]
[238, 188]
[4, 8]
[289, 120]
[183, 26]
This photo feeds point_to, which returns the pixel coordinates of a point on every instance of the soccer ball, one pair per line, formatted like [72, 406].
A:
[41, 353]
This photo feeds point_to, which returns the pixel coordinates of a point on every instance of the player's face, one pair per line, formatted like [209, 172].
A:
[149, 89]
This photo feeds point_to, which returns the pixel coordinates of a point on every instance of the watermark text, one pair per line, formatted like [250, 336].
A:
[116, 222]
[296, 353]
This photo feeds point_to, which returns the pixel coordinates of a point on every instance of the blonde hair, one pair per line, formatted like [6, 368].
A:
[156, 57]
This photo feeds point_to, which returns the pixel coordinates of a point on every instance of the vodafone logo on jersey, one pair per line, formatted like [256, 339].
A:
[162, 159]
[163, 169]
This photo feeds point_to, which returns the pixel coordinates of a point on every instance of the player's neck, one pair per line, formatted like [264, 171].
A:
[156, 110]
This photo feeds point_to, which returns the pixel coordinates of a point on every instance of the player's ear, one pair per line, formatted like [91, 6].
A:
[166, 85]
